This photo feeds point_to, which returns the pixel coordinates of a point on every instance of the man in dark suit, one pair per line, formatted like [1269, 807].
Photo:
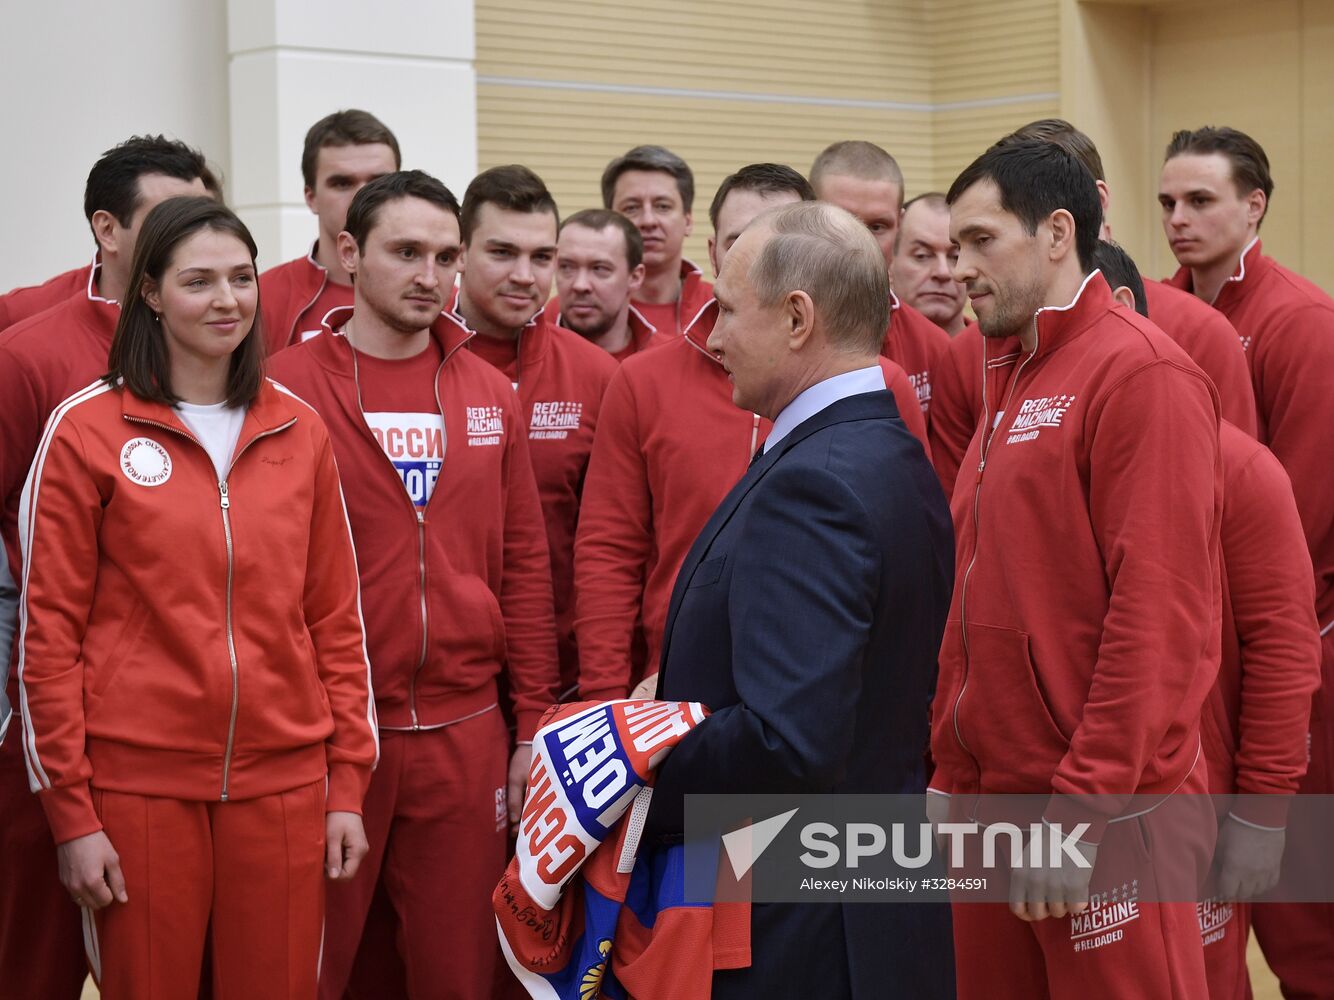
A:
[809, 611]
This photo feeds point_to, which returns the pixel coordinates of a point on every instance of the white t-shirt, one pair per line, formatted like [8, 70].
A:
[217, 426]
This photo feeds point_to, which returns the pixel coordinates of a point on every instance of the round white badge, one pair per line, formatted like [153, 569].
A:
[145, 462]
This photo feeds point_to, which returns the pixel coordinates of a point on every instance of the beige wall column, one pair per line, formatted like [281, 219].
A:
[290, 62]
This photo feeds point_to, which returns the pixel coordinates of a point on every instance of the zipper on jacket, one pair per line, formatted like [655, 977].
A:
[224, 504]
[418, 515]
[988, 436]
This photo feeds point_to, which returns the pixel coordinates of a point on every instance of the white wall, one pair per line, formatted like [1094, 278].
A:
[240, 79]
[79, 77]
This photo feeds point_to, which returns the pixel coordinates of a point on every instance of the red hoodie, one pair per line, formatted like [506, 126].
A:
[1201, 332]
[185, 637]
[915, 344]
[288, 294]
[457, 594]
[671, 444]
[560, 379]
[43, 360]
[643, 334]
[1083, 637]
[672, 318]
[1286, 325]
[1256, 720]
[19, 304]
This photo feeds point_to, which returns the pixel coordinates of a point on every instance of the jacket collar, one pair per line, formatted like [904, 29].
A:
[534, 338]
[448, 331]
[272, 410]
[700, 326]
[642, 331]
[1250, 267]
[99, 315]
[1057, 325]
[863, 406]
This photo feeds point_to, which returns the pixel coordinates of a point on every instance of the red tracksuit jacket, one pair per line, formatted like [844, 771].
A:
[19, 304]
[1255, 723]
[286, 294]
[670, 446]
[915, 344]
[457, 594]
[185, 637]
[1286, 325]
[1203, 333]
[43, 360]
[560, 379]
[1083, 637]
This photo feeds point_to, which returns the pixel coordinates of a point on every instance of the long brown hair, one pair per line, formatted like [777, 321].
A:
[138, 350]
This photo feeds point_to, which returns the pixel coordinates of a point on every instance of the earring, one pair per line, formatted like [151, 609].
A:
[157, 317]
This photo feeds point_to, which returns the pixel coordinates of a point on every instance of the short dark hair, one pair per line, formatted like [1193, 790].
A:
[349, 127]
[762, 178]
[1250, 165]
[366, 203]
[1036, 178]
[598, 219]
[113, 183]
[858, 158]
[650, 158]
[1117, 267]
[1063, 134]
[138, 349]
[514, 188]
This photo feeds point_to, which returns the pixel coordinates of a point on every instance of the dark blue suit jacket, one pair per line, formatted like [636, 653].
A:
[808, 616]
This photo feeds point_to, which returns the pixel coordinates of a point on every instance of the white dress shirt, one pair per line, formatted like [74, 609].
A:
[822, 395]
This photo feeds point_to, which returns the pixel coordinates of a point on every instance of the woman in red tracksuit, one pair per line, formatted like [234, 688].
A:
[195, 692]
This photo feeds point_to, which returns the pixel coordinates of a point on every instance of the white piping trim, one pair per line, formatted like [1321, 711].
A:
[1325, 630]
[1255, 826]
[91, 948]
[92, 284]
[452, 722]
[591, 87]
[37, 776]
[1241, 270]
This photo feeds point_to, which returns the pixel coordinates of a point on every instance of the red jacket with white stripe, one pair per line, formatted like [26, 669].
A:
[461, 592]
[19, 304]
[560, 378]
[1083, 637]
[671, 443]
[1203, 333]
[286, 294]
[184, 637]
[1286, 325]
[1255, 723]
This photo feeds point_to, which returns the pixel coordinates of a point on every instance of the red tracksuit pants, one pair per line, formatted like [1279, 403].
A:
[437, 822]
[41, 942]
[1225, 929]
[1123, 948]
[247, 875]
[1298, 938]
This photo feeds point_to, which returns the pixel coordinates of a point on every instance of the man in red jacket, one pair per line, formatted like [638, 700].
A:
[1083, 638]
[445, 515]
[671, 445]
[343, 152]
[655, 189]
[599, 268]
[923, 266]
[44, 359]
[509, 225]
[1214, 191]
[1255, 721]
[866, 181]
[1204, 334]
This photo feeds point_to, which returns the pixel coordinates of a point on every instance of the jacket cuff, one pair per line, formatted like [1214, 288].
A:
[69, 811]
[1068, 812]
[1265, 812]
[525, 725]
[347, 787]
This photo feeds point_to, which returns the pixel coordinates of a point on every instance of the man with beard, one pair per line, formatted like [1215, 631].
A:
[460, 539]
[1084, 633]
[509, 226]
[599, 268]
